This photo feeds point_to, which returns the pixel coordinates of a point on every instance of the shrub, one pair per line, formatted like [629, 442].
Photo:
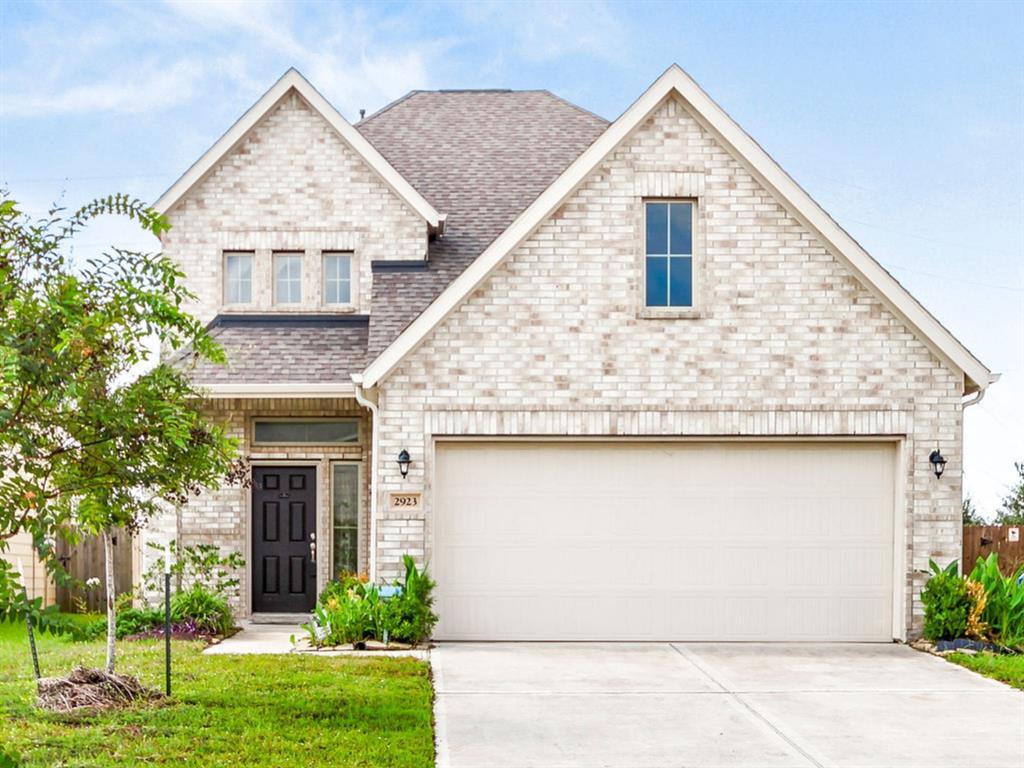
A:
[947, 603]
[351, 610]
[83, 628]
[201, 565]
[408, 617]
[135, 621]
[208, 611]
[1003, 611]
[346, 582]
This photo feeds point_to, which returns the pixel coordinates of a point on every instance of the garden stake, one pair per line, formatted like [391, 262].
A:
[28, 622]
[167, 618]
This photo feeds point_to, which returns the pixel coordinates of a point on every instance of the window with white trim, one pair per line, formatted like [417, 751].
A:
[238, 277]
[337, 277]
[668, 259]
[287, 278]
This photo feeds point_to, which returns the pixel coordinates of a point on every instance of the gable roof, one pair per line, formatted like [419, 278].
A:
[481, 156]
[293, 80]
[714, 119]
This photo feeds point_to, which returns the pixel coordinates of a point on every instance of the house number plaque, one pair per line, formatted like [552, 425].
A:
[405, 502]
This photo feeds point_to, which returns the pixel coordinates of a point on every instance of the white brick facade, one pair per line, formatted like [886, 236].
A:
[222, 517]
[291, 185]
[784, 341]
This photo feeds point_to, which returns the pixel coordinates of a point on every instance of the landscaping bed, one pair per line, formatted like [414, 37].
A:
[976, 620]
[356, 614]
[293, 710]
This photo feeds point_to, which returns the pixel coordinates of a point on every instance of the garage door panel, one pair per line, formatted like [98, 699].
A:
[644, 541]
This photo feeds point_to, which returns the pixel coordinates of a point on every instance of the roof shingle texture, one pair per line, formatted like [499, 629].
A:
[479, 156]
[271, 349]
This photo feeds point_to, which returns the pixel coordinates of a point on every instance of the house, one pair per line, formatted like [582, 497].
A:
[37, 582]
[611, 381]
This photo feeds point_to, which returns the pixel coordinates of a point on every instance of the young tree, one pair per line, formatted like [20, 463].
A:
[1012, 510]
[971, 516]
[87, 444]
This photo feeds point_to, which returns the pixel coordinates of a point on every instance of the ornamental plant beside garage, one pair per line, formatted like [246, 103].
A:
[985, 605]
[353, 611]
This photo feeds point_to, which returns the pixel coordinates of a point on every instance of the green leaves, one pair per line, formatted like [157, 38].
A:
[946, 605]
[93, 435]
[1004, 605]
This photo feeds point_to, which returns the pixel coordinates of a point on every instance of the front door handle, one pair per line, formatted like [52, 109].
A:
[312, 547]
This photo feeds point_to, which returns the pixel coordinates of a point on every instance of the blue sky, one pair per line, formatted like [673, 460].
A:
[906, 122]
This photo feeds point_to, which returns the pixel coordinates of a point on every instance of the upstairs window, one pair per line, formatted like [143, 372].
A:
[337, 278]
[669, 254]
[287, 278]
[238, 277]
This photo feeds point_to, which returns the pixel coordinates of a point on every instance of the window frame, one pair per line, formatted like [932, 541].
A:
[324, 255]
[360, 502]
[225, 255]
[300, 256]
[694, 309]
[253, 442]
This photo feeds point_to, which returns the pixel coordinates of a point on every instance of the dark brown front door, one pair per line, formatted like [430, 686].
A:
[283, 539]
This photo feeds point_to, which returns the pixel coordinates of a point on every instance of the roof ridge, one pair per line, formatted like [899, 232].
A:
[575, 106]
[388, 106]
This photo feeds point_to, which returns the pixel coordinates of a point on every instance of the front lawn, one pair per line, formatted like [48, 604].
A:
[1008, 669]
[291, 711]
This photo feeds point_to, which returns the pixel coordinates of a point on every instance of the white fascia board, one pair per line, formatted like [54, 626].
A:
[715, 119]
[293, 79]
[284, 389]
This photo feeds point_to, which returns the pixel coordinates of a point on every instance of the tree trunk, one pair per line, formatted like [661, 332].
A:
[108, 568]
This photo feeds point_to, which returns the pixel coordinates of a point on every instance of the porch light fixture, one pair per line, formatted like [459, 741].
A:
[938, 462]
[404, 460]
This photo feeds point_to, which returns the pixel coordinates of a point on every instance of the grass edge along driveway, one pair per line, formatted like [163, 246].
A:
[1006, 669]
[291, 710]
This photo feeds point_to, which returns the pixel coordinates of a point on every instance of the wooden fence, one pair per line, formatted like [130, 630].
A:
[982, 540]
[85, 561]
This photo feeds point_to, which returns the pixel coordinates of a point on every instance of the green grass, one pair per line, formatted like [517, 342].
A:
[1008, 669]
[281, 711]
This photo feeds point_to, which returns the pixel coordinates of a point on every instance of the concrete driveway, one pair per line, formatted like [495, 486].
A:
[688, 704]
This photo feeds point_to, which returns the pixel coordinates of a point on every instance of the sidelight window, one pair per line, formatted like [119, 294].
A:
[345, 517]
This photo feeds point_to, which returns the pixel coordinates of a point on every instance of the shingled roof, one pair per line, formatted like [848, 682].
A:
[281, 349]
[481, 157]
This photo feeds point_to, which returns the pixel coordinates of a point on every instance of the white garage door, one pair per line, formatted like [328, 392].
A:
[606, 540]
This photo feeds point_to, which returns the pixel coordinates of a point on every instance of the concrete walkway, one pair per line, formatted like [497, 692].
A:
[276, 639]
[258, 638]
[562, 705]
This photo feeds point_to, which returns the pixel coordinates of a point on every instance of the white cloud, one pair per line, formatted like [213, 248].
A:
[151, 87]
[147, 58]
[543, 30]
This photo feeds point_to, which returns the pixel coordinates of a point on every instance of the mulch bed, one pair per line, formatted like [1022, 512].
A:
[92, 689]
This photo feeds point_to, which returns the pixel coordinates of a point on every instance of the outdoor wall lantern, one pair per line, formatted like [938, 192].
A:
[404, 460]
[938, 462]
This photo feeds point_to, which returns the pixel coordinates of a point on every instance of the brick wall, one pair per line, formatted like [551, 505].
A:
[292, 184]
[783, 340]
[221, 517]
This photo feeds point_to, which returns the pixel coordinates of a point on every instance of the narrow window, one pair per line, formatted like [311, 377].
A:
[345, 517]
[337, 278]
[316, 432]
[287, 278]
[238, 277]
[669, 254]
